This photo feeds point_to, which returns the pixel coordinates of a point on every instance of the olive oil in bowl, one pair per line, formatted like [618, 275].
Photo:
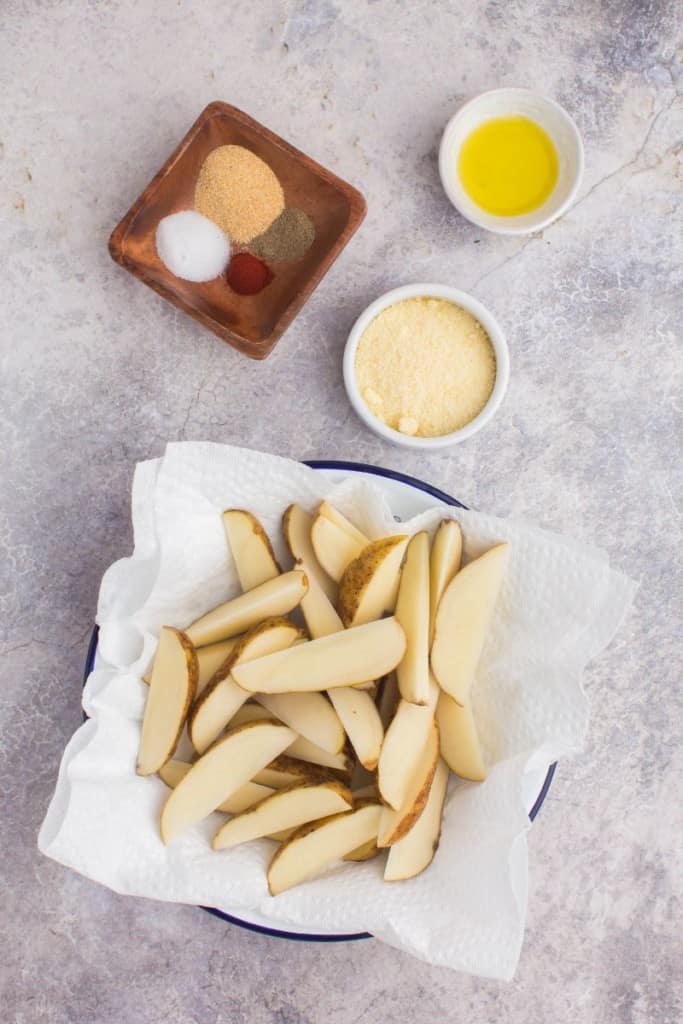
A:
[508, 166]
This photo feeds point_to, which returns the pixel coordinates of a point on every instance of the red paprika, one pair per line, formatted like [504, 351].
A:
[248, 275]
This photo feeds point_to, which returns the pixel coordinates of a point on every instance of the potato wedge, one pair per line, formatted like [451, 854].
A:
[251, 549]
[171, 692]
[173, 771]
[222, 697]
[209, 660]
[322, 619]
[246, 796]
[288, 771]
[369, 585]
[458, 739]
[394, 825]
[313, 847]
[412, 611]
[303, 750]
[276, 597]
[341, 659]
[319, 613]
[444, 562]
[415, 852]
[251, 712]
[365, 852]
[463, 619]
[310, 715]
[336, 517]
[296, 527]
[288, 808]
[334, 548]
[403, 747]
[231, 762]
[360, 719]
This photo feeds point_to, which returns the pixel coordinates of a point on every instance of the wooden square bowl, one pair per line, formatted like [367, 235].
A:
[251, 323]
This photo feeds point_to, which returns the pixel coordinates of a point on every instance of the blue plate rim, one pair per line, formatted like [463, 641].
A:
[447, 499]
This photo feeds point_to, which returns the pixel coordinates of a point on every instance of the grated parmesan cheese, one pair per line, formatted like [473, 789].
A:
[425, 366]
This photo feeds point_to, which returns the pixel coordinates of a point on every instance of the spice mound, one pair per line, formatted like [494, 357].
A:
[248, 275]
[288, 238]
[238, 192]
[191, 246]
[425, 366]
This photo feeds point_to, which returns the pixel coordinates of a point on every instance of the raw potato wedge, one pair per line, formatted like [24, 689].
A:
[336, 517]
[341, 659]
[223, 697]
[296, 526]
[412, 611]
[397, 824]
[321, 617]
[458, 739]
[276, 597]
[319, 613]
[287, 771]
[310, 715]
[463, 619]
[369, 586]
[173, 771]
[312, 848]
[403, 745]
[444, 562]
[171, 692]
[415, 852]
[365, 852]
[226, 767]
[244, 797]
[252, 552]
[334, 548]
[301, 749]
[289, 808]
[209, 660]
[251, 712]
[359, 716]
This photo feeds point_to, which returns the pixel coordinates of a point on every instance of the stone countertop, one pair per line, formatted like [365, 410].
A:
[98, 372]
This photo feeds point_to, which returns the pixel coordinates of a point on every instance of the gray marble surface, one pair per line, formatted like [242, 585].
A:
[97, 372]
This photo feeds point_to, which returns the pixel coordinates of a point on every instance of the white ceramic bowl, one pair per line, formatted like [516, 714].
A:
[554, 120]
[488, 322]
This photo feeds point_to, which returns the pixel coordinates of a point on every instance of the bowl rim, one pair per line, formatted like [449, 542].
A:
[458, 298]
[503, 225]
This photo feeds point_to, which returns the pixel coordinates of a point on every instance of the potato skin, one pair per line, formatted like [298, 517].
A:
[404, 825]
[190, 653]
[258, 530]
[359, 573]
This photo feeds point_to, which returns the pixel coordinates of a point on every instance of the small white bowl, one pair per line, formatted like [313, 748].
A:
[554, 120]
[488, 322]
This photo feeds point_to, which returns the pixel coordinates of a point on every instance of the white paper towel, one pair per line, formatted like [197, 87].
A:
[560, 604]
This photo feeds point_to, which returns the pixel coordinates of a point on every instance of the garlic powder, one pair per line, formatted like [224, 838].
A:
[425, 366]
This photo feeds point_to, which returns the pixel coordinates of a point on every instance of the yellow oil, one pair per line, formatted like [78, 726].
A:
[508, 166]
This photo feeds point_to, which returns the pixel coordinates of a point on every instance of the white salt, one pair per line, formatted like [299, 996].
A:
[192, 246]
